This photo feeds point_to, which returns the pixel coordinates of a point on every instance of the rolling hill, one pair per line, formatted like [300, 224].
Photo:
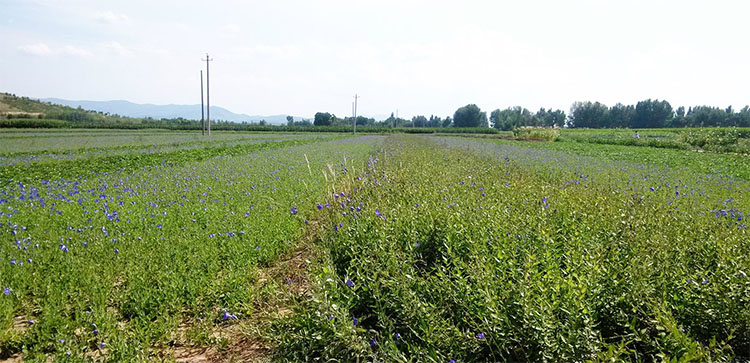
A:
[189, 112]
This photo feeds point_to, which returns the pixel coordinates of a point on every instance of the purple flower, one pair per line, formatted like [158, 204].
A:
[158, 226]
[7, 290]
[96, 331]
[377, 213]
[117, 250]
[330, 317]
[319, 206]
[228, 316]
[373, 342]
[13, 262]
[355, 321]
[705, 282]
[480, 336]
[349, 283]
[294, 210]
[102, 345]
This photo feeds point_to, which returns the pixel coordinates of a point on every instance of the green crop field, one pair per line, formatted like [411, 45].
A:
[163, 246]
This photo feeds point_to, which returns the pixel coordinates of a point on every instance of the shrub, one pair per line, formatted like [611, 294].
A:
[710, 138]
[539, 134]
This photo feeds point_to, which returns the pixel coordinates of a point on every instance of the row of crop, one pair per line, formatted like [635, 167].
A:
[492, 254]
[727, 140]
[120, 265]
[108, 162]
[231, 126]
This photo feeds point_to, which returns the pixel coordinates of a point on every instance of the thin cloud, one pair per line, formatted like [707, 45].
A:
[76, 51]
[231, 28]
[38, 49]
[110, 17]
[117, 48]
[42, 49]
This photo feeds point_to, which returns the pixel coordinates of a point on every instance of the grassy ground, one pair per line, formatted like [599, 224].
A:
[478, 251]
[723, 140]
[388, 248]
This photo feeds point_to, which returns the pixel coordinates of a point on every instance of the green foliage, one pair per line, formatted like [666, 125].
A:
[652, 114]
[323, 119]
[514, 117]
[33, 123]
[442, 247]
[725, 140]
[536, 134]
[494, 251]
[470, 116]
[137, 248]
[710, 138]
[587, 114]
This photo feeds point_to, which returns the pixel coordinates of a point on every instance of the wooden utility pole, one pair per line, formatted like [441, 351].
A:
[355, 113]
[208, 96]
[203, 120]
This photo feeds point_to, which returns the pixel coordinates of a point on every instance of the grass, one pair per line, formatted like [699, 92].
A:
[142, 250]
[381, 248]
[723, 140]
[475, 251]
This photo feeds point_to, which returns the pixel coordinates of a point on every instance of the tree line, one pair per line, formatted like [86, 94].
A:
[654, 114]
[645, 114]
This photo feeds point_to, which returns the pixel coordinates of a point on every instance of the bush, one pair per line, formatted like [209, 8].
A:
[539, 134]
[32, 123]
[710, 138]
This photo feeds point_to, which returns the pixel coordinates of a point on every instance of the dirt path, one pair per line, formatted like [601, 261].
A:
[282, 285]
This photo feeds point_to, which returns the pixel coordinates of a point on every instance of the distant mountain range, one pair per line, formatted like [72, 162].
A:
[189, 112]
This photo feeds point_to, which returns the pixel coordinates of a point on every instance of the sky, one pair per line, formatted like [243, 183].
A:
[417, 57]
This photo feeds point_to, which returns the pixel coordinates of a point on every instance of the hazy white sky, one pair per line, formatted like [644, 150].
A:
[421, 57]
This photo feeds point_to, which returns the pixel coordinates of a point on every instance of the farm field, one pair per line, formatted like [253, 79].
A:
[369, 247]
[712, 139]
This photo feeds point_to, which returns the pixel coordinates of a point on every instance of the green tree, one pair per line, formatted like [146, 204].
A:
[652, 114]
[620, 116]
[470, 116]
[419, 121]
[448, 122]
[588, 114]
[323, 119]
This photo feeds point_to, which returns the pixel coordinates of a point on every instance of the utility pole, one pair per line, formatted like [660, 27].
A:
[355, 113]
[203, 120]
[208, 96]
